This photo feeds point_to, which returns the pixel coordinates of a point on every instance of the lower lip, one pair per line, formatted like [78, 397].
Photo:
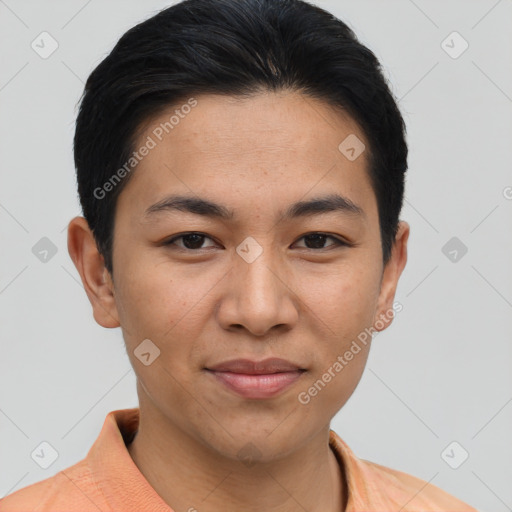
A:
[257, 386]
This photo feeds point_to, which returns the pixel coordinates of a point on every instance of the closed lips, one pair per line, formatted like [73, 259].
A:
[251, 367]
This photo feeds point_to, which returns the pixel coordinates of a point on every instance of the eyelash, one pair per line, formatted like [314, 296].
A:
[339, 242]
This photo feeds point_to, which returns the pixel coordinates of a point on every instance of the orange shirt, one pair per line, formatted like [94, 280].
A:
[107, 479]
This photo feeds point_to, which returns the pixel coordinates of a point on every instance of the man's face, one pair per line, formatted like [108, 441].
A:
[285, 292]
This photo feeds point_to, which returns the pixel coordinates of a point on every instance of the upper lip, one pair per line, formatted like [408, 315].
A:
[270, 365]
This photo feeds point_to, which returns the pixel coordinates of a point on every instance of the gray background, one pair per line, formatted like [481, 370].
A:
[440, 373]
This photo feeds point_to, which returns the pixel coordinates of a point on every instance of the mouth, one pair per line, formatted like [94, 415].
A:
[250, 367]
[256, 379]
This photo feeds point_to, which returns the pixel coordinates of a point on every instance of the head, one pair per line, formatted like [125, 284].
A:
[240, 168]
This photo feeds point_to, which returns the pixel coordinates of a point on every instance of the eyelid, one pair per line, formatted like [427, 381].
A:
[340, 241]
[171, 240]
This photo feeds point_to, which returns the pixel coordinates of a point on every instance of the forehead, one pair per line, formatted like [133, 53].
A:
[271, 147]
[264, 121]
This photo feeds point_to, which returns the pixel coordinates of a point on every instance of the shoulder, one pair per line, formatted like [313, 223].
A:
[410, 493]
[71, 489]
[374, 487]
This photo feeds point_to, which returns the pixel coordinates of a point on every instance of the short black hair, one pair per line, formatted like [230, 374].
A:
[237, 48]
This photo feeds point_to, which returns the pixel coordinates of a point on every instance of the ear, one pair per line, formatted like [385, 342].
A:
[391, 273]
[96, 279]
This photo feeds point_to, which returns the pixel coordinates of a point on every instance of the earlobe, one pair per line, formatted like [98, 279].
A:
[95, 277]
[392, 271]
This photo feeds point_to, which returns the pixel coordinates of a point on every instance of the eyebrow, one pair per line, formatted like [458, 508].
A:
[199, 206]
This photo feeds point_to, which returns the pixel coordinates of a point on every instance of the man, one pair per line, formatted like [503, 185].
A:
[241, 169]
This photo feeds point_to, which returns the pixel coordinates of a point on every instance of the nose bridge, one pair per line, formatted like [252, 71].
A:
[257, 281]
[261, 299]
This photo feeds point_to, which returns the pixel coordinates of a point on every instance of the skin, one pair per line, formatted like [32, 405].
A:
[295, 301]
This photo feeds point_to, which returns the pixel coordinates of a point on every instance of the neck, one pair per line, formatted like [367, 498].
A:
[189, 475]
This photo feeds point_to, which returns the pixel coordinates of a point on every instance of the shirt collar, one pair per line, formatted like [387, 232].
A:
[120, 480]
[126, 488]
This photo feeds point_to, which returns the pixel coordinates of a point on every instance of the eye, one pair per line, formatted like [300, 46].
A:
[194, 241]
[317, 240]
[191, 241]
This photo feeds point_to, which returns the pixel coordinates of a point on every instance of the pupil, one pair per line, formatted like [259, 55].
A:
[318, 241]
[197, 242]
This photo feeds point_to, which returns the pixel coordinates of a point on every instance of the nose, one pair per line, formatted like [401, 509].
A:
[259, 295]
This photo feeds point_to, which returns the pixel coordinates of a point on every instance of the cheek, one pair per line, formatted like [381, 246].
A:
[163, 305]
[328, 391]
[342, 309]
[147, 302]
[343, 300]
[155, 308]
[341, 306]
[150, 292]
